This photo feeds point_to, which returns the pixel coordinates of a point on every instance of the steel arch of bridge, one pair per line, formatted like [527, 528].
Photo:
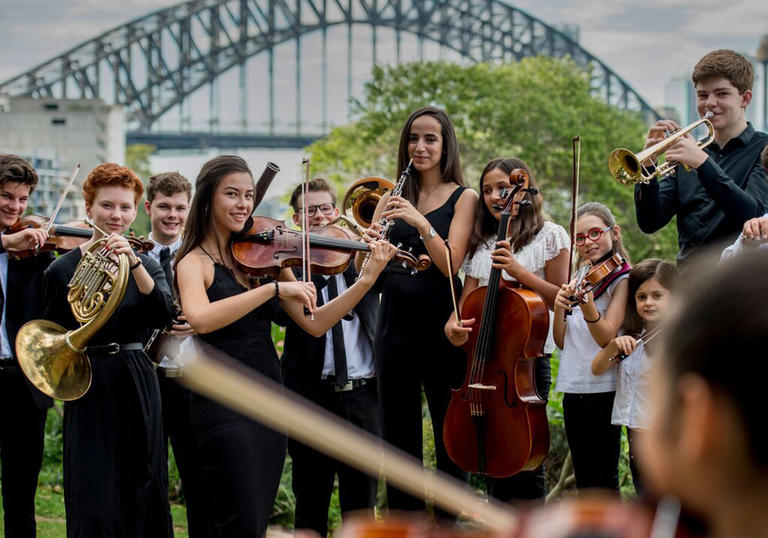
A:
[154, 62]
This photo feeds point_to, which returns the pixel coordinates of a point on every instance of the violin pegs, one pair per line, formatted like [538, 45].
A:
[399, 246]
[523, 203]
[531, 190]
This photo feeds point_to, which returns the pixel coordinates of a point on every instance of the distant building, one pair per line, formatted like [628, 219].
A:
[52, 180]
[68, 131]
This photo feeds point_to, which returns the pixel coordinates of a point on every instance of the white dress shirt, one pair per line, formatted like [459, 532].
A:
[356, 342]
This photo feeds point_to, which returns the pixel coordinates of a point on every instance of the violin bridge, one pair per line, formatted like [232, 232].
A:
[480, 386]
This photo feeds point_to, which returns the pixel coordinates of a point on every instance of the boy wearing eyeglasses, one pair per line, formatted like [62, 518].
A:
[725, 185]
[336, 371]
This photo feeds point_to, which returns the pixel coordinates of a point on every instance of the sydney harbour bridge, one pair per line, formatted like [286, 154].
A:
[284, 71]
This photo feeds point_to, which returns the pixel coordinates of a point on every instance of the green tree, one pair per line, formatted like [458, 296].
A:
[137, 159]
[529, 109]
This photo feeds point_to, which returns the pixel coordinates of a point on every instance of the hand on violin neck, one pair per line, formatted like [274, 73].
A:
[381, 253]
[26, 239]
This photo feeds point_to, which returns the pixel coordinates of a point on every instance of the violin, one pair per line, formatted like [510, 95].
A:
[496, 423]
[61, 237]
[589, 277]
[267, 245]
[64, 237]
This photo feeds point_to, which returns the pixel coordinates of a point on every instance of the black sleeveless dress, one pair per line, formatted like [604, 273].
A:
[241, 460]
[412, 351]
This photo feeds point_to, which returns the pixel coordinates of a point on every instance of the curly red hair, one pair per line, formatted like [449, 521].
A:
[111, 174]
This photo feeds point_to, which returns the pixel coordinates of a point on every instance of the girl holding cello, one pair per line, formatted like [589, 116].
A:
[594, 321]
[242, 461]
[535, 255]
[411, 350]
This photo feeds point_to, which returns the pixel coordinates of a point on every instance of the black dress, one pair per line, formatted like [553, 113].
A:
[241, 460]
[412, 351]
[115, 463]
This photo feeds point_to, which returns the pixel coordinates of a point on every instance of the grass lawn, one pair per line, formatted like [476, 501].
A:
[49, 509]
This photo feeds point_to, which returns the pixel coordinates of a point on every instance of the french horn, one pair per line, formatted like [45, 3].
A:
[53, 358]
[360, 202]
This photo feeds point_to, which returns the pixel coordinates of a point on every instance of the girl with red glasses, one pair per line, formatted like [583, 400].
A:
[591, 325]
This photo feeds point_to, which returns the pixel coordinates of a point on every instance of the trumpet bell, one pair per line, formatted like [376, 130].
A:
[51, 362]
[625, 167]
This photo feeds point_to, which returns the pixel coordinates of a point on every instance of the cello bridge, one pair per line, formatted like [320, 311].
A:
[480, 386]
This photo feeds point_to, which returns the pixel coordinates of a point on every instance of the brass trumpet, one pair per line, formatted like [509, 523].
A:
[360, 201]
[627, 168]
[55, 359]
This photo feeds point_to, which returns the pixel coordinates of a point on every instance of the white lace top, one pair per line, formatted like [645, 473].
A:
[547, 244]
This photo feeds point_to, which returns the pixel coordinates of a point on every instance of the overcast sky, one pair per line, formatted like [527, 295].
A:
[645, 41]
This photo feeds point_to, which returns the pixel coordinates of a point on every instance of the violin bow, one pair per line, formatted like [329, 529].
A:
[574, 197]
[63, 197]
[306, 269]
[212, 373]
[449, 256]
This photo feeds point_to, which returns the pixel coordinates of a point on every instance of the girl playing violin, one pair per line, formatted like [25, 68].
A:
[588, 399]
[410, 349]
[536, 255]
[241, 460]
[651, 284]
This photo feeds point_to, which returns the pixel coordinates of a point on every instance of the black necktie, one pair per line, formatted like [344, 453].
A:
[165, 263]
[339, 353]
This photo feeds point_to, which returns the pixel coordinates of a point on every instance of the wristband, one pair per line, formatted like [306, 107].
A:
[277, 288]
[599, 315]
[135, 265]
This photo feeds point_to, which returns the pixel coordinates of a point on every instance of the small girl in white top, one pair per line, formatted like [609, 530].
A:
[588, 399]
[651, 284]
[535, 255]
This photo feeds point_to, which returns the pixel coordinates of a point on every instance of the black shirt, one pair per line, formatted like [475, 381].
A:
[711, 203]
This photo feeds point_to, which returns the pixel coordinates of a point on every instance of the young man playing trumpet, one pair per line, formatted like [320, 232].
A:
[725, 184]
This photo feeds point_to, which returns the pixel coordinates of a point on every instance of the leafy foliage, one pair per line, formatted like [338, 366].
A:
[530, 109]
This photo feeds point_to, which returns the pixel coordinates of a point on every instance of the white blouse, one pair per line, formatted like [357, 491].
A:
[545, 245]
[579, 348]
[630, 405]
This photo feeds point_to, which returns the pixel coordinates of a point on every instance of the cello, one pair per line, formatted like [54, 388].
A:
[496, 423]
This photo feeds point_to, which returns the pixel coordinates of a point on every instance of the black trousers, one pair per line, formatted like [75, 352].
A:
[313, 472]
[177, 427]
[526, 485]
[22, 434]
[593, 440]
[402, 375]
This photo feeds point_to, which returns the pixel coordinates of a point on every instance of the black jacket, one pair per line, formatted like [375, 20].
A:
[24, 302]
[303, 354]
[711, 203]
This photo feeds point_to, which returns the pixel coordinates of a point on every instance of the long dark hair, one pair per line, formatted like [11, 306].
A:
[450, 167]
[529, 219]
[665, 273]
[200, 219]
